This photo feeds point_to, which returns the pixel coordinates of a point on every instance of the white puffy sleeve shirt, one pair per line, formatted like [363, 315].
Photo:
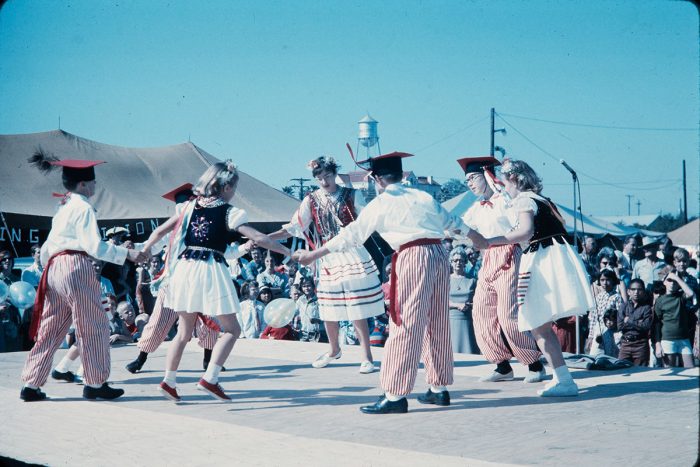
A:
[74, 227]
[400, 215]
[490, 220]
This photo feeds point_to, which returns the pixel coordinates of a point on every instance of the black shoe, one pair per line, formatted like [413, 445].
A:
[384, 405]
[31, 395]
[67, 376]
[103, 392]
[205, 364]
[135, 366]
[437, 398]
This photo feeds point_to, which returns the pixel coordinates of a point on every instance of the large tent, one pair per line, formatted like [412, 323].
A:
[129, 186]
[687, 236]
[584, 224]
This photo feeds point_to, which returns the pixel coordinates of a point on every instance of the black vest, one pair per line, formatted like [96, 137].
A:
[208, 230]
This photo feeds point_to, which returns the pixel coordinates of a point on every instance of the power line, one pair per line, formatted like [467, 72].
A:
[556, 159]
[592, 125]
[452, 134]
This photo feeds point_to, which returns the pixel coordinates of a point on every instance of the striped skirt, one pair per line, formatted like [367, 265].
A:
[349, 287]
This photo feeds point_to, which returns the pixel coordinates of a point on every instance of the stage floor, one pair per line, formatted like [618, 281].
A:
[284, 412]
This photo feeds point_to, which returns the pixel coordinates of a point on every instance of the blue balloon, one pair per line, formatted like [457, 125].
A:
[4, 291]
[22, 294]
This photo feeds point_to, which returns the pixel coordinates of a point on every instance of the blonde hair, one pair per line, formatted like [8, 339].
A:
[680, 254]
[524, 177]
[215, 178]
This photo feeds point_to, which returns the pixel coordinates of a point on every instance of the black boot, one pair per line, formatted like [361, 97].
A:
[384, 405]
[103, 392]
[136, 365]
[67, 376]
[437, 398]
[31, 395]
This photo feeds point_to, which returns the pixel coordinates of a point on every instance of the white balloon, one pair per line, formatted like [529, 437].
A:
[280, 312]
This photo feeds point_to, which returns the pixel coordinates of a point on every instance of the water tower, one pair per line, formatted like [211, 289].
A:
[368, 136]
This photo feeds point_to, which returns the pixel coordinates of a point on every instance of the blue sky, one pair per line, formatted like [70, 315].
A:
[274, 84]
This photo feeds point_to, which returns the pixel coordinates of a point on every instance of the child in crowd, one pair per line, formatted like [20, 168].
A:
[251, 316]
[634, 321]
[308, 312]
[607, 299]
[674, 315]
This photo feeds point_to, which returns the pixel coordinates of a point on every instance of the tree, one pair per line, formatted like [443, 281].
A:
[288, 190]
[667, 223]
[451, 188]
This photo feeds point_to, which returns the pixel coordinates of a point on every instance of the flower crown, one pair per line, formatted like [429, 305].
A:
[316, 163]
[507, 167]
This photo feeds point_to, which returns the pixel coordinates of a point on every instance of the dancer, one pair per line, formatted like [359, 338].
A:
[163, 317]
[552, 280]
[196, 272]
[495, 305]
[348, 286]
[69, 288]
[413, 223]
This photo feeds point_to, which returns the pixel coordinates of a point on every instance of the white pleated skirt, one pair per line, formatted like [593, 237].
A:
[206, 287]
[552, 284]
[349, 288]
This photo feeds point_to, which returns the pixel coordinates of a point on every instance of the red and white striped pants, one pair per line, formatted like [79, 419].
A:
[160, 322]
[422, 294]
[496, 308]
[73, 295]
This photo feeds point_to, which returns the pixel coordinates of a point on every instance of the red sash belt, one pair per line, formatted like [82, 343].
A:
[208, 322]
[394, 312]
[41, 292]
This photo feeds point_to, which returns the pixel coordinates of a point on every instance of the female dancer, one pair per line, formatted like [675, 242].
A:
[552, 280]
[197, 273]
[348, 287]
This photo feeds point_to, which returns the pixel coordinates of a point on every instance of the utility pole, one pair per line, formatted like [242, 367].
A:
[300, 185]
[494, 131]
[685, 197]
[629, 211]
[639, 203]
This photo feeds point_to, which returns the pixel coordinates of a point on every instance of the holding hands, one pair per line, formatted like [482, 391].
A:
[136, 256]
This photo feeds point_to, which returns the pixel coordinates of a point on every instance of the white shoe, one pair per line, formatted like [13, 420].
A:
[535, 376]
[325, 359]
[367, 367]
[496, 376]
[559, 390]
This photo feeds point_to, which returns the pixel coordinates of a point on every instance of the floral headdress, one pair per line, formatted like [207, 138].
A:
[316, 163]
[507, 167]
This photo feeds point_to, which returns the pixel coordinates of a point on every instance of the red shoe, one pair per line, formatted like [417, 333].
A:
[169, 392]
[213, 390]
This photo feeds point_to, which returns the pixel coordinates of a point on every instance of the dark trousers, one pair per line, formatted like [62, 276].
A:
[636, 352]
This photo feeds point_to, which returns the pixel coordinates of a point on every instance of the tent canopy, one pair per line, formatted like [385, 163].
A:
[687, 235]
[129, 185]
[591, 225]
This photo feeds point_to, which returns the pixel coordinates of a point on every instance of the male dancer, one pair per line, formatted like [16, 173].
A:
[413, 223]
[163, 318]
[69, 289]
[495, 304]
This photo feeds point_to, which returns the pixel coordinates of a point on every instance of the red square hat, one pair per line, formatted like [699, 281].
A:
[477, 164]
[77, 170]
[385, 164]
[183, 191]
